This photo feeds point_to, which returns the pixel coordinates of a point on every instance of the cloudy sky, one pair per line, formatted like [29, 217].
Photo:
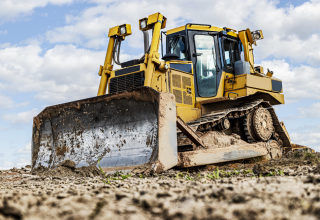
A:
[50, 52]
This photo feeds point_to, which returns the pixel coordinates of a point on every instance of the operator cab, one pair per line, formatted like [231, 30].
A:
[212, 50]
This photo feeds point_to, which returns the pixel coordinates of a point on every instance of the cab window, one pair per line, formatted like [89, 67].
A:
[231, 52]
[177, 46]
[206, 74]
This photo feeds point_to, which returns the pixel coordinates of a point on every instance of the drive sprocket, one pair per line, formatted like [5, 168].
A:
[262, 124]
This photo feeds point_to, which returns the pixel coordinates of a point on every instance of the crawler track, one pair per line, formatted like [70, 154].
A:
[209, 121]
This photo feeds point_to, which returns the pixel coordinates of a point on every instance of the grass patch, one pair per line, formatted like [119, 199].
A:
[116, 175]
[309, 156]
[214, 175]
[188, 177]
[107, 180]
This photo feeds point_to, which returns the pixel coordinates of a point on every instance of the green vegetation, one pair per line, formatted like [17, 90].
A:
[296, 154]
[310, 156]
[276, 172]
[116, 175]
[188, 177]
[214, 175]
[179, 176]
[107, 181]
[229, 174]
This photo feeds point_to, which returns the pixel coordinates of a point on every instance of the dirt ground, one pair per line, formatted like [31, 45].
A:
[287, 188]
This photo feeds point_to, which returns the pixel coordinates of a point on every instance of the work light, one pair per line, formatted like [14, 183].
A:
[123, 30]
[256, 35]
[143, 24]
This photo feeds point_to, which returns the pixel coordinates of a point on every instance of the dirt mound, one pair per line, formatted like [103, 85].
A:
[216, 139]
[67, 169]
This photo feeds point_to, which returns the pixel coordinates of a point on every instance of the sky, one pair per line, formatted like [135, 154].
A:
[51, 50]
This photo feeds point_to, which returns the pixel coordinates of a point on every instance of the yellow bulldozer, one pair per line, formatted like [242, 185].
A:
[165, 111]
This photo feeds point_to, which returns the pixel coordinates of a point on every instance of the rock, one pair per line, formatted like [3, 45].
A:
[67, 163]
[259, 169]
[238, 198]
[289, 154]
[147, 201]
[62, 195]
[11, 210]
[316, 169]
[14, 169]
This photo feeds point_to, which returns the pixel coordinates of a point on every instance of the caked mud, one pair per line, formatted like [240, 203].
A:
[67, 169]
[278, 189]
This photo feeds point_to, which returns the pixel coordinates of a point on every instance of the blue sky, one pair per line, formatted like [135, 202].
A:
[50, 52]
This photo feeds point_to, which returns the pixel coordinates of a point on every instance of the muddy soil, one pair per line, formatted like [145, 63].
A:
[287, 188]
[67, 169]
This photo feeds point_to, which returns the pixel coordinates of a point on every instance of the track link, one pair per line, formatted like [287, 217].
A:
[209, 121]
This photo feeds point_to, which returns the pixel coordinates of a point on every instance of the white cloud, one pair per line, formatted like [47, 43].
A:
[64, 73]
[312, 111]
[291, 32]
[299, 83]
[25, 150]
[5, 102]
[3, 32]
[6, 165]
[11, 9]
[4, 45]
[308, 136]
[21, 117]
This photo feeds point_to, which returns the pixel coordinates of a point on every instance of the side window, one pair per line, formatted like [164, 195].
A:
[231, 52]
[177, 46]
[206, 73]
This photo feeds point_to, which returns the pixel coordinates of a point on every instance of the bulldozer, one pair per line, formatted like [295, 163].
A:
[164, 109]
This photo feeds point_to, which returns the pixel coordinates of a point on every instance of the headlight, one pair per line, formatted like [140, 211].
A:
[123, 30]
[256, 35]
[143, 24]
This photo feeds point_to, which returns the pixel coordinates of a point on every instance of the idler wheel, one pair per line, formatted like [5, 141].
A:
[262, 124]
[225, 124]
[275, 149]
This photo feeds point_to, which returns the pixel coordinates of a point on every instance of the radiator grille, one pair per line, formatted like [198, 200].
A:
[176, 80]
[178, 95]
[186, 82]
[126, 82]
[187, 99]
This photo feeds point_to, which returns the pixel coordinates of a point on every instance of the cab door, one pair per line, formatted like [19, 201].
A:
[203, 48]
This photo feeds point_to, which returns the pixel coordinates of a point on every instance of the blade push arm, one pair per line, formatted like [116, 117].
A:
[156, 22]
[118, 32]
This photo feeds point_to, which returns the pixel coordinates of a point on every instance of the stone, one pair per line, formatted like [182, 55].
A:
[67, 163]
[62, 195]
[259, 169]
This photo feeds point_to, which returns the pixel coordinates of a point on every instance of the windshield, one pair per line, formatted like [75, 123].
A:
[177, 46]
[206, 65]
[231, 52]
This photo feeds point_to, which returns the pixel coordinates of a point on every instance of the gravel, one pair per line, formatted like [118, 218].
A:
[278, 189]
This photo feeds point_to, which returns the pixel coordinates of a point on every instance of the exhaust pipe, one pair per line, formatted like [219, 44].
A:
[146, 41]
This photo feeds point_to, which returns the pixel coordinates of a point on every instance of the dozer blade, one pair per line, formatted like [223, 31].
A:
[126, 131]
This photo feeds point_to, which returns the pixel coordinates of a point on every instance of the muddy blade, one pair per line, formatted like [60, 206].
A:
[125, 131]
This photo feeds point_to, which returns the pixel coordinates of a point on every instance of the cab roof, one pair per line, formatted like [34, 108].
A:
[202, 27]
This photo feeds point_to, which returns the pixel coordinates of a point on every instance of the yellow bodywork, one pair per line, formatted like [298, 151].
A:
[162, 77]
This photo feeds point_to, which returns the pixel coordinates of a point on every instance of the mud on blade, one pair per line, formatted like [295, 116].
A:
[128, 130]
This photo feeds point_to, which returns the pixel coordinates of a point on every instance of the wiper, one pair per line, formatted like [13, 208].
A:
[174, 41]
